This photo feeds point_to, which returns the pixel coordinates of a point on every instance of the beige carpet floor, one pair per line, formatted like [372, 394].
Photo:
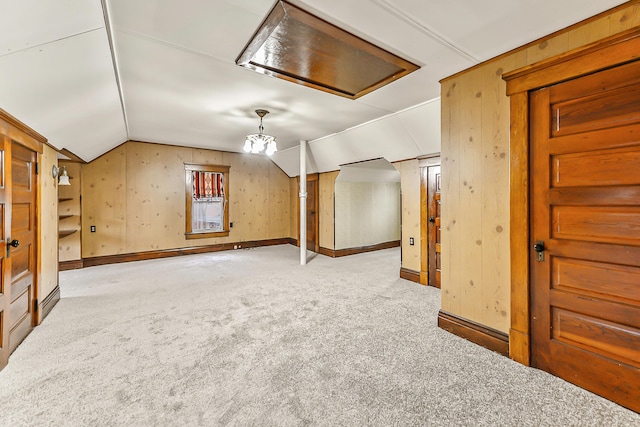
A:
[250, 338]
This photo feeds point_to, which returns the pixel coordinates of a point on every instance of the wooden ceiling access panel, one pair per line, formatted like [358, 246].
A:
[297, 46]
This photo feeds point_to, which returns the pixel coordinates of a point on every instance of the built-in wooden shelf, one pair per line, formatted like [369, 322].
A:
[65, 199]
[64, 216]
[65, 233]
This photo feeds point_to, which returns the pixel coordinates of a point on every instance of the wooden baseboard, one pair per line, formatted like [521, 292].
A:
[70, 265]
[476, 333]
[292, 241]
[166, 253]
[327, 252]
[412, 275]
[336, 253]
[49, 302]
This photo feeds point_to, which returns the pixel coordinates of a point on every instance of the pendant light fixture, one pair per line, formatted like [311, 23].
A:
[257, 142]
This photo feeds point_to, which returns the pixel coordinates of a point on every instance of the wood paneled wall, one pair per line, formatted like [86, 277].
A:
[294, 191]
[135, 197]
[410, 204]
[48, 193]
[475, 173]
[327, 182]
[70, 247]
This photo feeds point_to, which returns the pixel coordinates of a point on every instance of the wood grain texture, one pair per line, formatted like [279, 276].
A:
[104, 204]
[48, 226]
[479, 334]
[70, 265]
[319, 54]
[294, 191]
[166, 253]
[49, 302]
[584, 305]
[424, 221]
[410, 203]
[69, 212]
[327, 182]
[411, 275]
[135, 195]
[519, 226]
[336, 253]
[503, 284]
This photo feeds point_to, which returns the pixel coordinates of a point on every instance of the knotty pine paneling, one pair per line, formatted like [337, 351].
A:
[155, 196]
[410, 203]
[144, 183]
[294, 215]
[48, 193]
[70, 247]
[104, 204]
[279, 204]
[327, 182]
[475, 174]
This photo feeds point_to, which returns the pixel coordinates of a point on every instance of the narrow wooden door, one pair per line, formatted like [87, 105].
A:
[312, 213]
[433, 201]
[585, 232]
[5, 266]
[22, 246]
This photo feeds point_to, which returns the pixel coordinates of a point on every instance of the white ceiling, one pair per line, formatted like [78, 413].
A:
[174, 78]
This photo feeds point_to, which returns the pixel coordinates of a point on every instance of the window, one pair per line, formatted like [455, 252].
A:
[207, 200]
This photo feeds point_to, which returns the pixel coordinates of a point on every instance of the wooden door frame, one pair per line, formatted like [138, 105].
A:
[424, 163]
[312, 177]
[607, 53]
[12, 129]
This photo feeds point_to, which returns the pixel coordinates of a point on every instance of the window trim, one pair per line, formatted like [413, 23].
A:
[188, 169]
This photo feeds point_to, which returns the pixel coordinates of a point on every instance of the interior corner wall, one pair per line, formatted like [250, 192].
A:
[410, 217]
[326, 189]
[135, 196]
[475, 173]
[48, 194]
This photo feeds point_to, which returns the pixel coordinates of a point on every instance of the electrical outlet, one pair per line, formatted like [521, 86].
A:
[411, 242]
[231, 224]
[93, 228]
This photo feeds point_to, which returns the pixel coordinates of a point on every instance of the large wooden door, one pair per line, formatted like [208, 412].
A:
[22, 245]
[585, 225]
[5, 267]
[434, 208]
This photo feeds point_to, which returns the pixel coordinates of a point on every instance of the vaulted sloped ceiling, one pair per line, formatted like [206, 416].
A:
[164, 71]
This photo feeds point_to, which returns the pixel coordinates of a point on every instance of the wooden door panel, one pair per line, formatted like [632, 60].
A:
[585, 183]
[20, 173]
[23, 262]
[607, 109]
[21, 218]
[597, 224]
[599, 336]
[590, 305]
[596, 168]
[5, 264]
[625, 136]
[603, 279]
[434, 208]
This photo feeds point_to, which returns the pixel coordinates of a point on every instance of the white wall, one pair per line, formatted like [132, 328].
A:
[367, 213]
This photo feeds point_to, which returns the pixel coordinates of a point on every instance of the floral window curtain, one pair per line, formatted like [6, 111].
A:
[207, 210]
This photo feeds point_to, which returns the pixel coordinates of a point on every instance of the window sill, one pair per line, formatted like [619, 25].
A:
[206, 234]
